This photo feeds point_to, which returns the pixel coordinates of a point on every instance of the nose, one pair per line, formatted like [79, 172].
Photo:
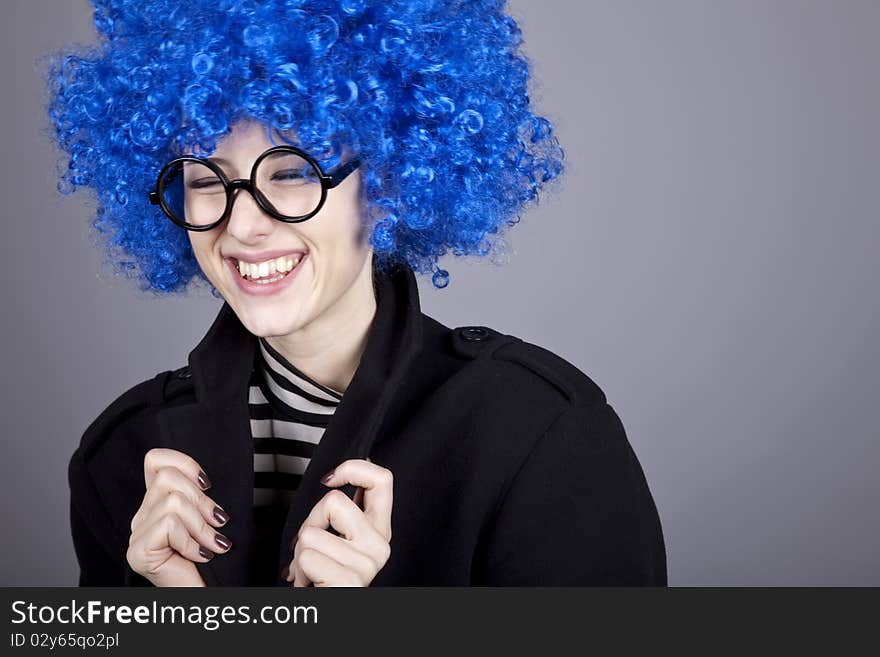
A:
[247, 221]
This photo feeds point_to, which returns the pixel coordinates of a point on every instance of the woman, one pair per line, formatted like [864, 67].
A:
[305, 159]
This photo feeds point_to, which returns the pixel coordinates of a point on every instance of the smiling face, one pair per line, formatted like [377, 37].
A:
[317, 273]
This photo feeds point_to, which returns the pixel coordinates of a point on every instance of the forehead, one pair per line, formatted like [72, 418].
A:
[247, 138]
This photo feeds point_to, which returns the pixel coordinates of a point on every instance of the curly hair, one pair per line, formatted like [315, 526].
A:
[432, 94]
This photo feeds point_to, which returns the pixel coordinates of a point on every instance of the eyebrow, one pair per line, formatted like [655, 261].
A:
[218, 160]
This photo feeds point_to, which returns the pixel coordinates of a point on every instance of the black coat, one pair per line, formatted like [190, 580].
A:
[509, 466]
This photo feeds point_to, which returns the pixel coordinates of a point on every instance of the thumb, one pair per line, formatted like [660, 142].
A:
[178, 571]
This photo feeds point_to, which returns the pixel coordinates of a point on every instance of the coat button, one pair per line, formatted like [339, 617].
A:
[184, 373]
[474, 333]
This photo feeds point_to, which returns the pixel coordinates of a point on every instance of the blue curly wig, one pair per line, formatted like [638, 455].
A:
[432, 94]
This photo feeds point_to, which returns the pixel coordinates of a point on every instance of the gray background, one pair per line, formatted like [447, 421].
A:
[710, 261]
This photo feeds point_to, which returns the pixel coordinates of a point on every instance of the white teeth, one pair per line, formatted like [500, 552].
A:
[265, 281]
[260, 270]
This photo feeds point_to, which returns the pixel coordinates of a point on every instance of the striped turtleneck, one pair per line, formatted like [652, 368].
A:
[289, 412]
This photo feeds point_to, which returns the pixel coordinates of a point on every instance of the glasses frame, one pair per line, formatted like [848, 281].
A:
[328, 182]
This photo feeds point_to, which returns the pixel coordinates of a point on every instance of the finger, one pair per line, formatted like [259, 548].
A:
[168, 480]
[378, 485]
[337, 510]
[322, 570]
[161, 457]
[171, 480]
[296, 576]
[167, 534]
[358, 498]
[175, 571]
[364, 560]
[359, 494]
[176, 503]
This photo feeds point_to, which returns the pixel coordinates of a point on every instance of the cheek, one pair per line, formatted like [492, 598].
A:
[350, 213]
[201, 247]
[341, 232]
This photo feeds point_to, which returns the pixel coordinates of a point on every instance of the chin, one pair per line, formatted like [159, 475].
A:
[266, 323]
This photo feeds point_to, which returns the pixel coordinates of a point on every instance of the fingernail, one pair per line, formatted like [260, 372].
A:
[204, 482]
[206, 553]
[327, 477]
[285, 572]
[221, 515]
[222, 541]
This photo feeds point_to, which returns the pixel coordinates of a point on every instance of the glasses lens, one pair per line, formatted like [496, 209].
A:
[289, 184]
[193, 193]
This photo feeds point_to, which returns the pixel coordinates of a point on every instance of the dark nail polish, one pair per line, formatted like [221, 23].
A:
[222, 541]
[285, 572]
[204, 482]
[221, 515]
[327, 477]
[206, 553]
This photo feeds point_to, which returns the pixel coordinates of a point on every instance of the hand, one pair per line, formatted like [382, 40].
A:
[364, 544]
[172, 529]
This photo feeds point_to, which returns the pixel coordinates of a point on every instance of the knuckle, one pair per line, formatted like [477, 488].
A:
[308, 535]
[307, 557]
[163, 477]
[152, 456]
[386, 477]
[171, 522]
[175, 501]
[130, 557]
[371, 564]
[385, 554]
[336, 499]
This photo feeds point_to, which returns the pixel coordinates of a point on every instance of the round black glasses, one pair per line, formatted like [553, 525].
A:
[286, 182]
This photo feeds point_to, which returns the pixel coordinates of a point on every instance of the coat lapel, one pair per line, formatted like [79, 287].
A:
[215, 429]
[395, 338]
[222, 446]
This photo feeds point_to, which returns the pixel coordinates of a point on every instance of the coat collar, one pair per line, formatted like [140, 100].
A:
[215, 429]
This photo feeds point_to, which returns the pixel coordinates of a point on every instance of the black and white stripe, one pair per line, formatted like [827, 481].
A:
[289, 413]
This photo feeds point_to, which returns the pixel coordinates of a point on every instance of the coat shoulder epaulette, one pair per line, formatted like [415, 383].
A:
[481, 342]
[177, 382]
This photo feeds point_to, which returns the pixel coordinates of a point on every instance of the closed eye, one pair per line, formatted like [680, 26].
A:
[289, 174]
[203, 183]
